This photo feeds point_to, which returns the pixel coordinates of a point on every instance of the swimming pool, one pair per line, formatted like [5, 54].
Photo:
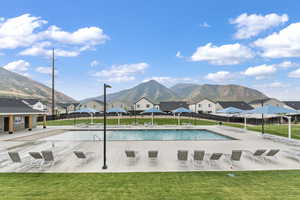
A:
[140, 135]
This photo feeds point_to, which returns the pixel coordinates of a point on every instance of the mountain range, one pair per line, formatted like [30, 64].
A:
[157, 92]
[18, 86]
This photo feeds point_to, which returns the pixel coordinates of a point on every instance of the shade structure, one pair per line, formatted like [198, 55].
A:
[230, 110]
[179, 111]
[274, 110]
[87, 110]
[152, 111]
[119, 111]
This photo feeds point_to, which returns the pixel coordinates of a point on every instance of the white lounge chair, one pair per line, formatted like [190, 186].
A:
[37, 158]
[198, 157]
[152, 155]
[235, 157]
[215, 157]
[182, 156]
[15, 157]
[131, 155]
[82, 155]
[48, 158]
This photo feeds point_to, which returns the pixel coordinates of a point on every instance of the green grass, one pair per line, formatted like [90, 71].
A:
[267, 185]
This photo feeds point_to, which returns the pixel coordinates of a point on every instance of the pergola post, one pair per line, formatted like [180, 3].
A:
[44, 121]
[30, 123]
[10, 124]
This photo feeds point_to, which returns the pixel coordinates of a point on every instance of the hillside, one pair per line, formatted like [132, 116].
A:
[189, 92]
[15, 85]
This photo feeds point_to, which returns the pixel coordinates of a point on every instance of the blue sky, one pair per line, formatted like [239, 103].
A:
[252, 43]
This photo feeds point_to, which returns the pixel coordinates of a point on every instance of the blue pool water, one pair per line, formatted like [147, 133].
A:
[140, 135]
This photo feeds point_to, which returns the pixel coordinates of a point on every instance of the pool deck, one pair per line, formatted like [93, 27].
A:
[248, 141]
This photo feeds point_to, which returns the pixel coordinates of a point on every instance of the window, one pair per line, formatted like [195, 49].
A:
[199, 105]
[148, 106]
[138, 105]
[209, 105]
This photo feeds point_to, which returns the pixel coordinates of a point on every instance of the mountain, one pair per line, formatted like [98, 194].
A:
[15, 85]
[150, 89]
[195, 92]
[188, 92]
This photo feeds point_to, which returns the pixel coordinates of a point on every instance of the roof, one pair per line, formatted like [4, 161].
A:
[259, 101]
[172, 105]
[144, 98]
[31, 101]
[236, 104]
[293, 104]
[15, 106]
[198, 101]
[65, 105]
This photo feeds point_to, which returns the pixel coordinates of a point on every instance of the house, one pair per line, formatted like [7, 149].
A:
[267, 101]
[16, 115]
[236, 104]
[203, 106]
[169, 106]
[144, 104]
[65, 108]
[92, 104]
[35, 104]
[292, 105]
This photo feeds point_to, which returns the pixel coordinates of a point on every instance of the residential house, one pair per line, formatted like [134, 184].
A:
[16, 115]
[169, 106]
[268, 101]
[65, 108]
[236, 104]
[93, 104]
[144, 104]
[35, 104]
[203, 106]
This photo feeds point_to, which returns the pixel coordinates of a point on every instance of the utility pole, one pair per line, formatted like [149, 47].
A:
[53, 90]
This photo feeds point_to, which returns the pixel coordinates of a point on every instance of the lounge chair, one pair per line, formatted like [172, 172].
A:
[48, 158]
[198, 157]
[272, 152]
[182, 156]
[37, 158]
[214, 157]
[82, 155]
[235, 157]
[152, 155]
[15, 157]
[259, 152]
[131, 155]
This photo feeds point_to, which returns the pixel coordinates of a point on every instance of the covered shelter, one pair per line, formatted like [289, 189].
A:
[152, 111]
[118, 111]
[274, 110]
[179, 111]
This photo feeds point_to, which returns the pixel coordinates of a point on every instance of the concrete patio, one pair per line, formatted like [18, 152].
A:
[66, 161]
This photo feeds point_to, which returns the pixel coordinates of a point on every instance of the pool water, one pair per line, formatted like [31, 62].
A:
[140, 135]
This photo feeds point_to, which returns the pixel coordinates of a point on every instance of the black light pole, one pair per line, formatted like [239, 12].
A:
[263, 120]
[104, 127]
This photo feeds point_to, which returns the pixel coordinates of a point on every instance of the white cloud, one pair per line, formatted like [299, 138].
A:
[229, 54]
[40, 49]
[220, 76]
[260, 71]
[295, 74]
[94, 63]
[287, 64]
[251, 25]
[19, 66]
[45, 70]
[284, 44]
[169, 80]
[178, 54]
[25, 31]
[121, 73]
[205, 25]
[19, 31]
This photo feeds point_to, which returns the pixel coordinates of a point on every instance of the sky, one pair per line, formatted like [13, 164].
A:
[123, 43]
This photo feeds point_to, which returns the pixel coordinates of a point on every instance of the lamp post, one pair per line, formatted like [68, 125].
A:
[104, 127]
[262, 118]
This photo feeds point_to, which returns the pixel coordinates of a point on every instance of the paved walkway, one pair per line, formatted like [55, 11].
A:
[167, 159]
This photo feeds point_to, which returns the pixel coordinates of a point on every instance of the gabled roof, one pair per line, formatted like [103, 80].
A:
[293, 104]
[172, 105]
[236, 104]
[65, 105]
[31, 101]
[144, 98]
[15, 106]
[195, 102]
[259, 101]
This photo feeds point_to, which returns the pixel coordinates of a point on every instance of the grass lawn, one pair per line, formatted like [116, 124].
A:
[267, 185]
